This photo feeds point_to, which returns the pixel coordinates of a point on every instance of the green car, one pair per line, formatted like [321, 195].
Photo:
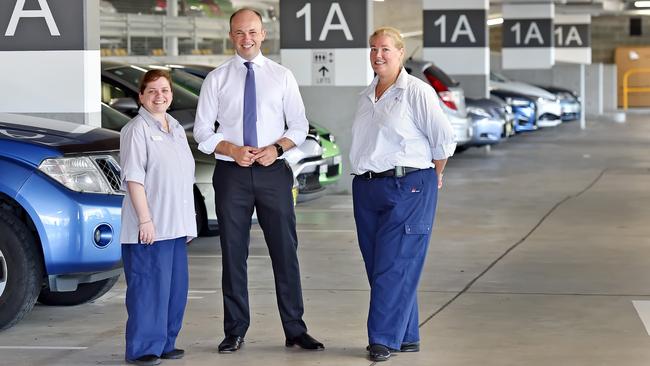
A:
[331, 153]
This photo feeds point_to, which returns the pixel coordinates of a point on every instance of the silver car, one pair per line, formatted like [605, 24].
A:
[451, 95]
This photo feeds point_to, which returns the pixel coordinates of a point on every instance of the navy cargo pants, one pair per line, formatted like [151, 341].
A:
[394, 217]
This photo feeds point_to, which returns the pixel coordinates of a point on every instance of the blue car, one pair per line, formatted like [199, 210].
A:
[60, 208]
[490, 121]
[570, 102]
[523, 107]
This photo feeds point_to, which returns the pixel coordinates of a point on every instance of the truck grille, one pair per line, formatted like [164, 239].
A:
[111, 171]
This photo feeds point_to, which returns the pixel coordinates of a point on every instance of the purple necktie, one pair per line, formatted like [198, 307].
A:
[250, 108]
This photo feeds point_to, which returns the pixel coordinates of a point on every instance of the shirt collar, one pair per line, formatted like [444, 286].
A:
[400, 83]
[151, 121]
[258, 60]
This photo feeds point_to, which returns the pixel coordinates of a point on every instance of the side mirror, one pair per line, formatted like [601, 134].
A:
[126, 105]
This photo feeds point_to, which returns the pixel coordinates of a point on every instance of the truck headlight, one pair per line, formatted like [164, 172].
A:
[76, 173]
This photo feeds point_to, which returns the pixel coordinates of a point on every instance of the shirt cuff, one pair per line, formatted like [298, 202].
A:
[296, 137]
[443, 151]
[211, 143]
[134, 177]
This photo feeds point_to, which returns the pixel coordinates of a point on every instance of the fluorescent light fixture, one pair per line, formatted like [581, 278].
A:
[495, 21]
[642, 4]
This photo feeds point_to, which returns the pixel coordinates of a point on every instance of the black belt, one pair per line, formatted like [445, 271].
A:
[398, 171]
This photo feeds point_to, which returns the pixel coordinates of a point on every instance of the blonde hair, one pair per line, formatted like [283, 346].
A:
[391, 32]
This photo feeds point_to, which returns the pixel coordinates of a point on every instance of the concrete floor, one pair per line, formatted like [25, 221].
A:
[540, 248]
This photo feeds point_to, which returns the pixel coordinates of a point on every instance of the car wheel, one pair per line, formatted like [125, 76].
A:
[21, 272]
[84, 293]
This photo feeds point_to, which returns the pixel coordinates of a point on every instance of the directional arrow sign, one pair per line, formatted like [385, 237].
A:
[324, 70]
[323, 67]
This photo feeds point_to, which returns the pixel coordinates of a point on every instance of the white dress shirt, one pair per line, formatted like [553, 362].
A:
[222, 100]
[405, 127]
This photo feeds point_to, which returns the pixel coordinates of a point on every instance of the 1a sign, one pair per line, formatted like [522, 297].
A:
[527, 33]
[572, 35]
[323, 24]
[454, 28]
[41, 25]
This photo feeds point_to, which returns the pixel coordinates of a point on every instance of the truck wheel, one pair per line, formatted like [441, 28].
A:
[21, 271]
[84, 293]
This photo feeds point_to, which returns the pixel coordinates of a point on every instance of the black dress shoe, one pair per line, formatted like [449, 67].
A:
[231, 344]
[146, 360]
[378, 352]
[174, 354]
[305, 341]
[410, 347]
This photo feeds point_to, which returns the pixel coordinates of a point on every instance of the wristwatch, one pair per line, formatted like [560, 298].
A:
[278, 149]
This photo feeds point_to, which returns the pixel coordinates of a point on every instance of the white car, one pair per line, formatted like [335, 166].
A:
[549, 109]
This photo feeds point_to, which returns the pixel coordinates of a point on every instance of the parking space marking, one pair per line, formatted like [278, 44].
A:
[44, 347]
[342, 231]
[643, 309]
[219, 256]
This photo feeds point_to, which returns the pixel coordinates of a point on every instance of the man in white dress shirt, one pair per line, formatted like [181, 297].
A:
[252, 98]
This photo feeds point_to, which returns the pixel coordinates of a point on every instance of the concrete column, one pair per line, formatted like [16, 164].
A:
[49, 59]
[325, 45]
[172, 42]
[455, 38]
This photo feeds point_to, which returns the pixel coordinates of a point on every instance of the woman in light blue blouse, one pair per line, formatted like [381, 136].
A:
[401, 140]
[158, 220]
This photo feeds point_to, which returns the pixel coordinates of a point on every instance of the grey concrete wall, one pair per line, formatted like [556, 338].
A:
[334, 108]
[593, 99]
[610, 94]
[475, 86]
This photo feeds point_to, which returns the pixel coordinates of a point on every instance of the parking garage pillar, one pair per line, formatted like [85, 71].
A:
[171, 43]
[573, 45]
[455, 38]
[49, 59]
[528, 35]
[325, 44]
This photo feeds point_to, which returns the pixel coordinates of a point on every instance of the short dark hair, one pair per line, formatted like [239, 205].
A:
[241, 10]
[153, 75]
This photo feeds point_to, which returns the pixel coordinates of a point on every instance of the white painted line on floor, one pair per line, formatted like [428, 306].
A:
[323, 210]
[43, 347]
[643, 309]
[202, 291]
[219, 256]
[189, 297]
[316, 231]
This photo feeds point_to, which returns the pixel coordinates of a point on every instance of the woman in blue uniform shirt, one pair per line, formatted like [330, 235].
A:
[401, 140]
[158, 220]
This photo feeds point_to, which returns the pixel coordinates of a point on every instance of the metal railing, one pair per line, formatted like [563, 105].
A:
[633, 89]
[119, 32]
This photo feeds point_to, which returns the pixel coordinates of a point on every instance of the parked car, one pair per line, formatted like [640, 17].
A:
[548, 109]
[451, 95]
[488, 121]
[60, 208]
[331, 154]
[524, 108]
[569, 101]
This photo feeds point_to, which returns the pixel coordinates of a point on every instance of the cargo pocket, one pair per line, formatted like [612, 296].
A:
[414, 240]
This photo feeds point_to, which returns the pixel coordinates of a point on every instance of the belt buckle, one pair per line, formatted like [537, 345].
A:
[369, 175]
[400, 171]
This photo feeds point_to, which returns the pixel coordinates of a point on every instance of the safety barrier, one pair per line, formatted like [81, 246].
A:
[633, 89]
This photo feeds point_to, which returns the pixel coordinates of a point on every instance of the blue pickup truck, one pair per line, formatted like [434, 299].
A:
[60, 207]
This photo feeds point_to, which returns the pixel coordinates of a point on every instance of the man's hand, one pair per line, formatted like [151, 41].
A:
[243, 155]
[440, 181]
[266, 155]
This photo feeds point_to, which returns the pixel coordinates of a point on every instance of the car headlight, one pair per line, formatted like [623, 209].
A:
[77, 173]
[517, 102]
[478, 111]
[332, 138]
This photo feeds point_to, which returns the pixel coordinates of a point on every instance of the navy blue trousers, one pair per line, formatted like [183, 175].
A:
[156, 294]
[394, 217]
